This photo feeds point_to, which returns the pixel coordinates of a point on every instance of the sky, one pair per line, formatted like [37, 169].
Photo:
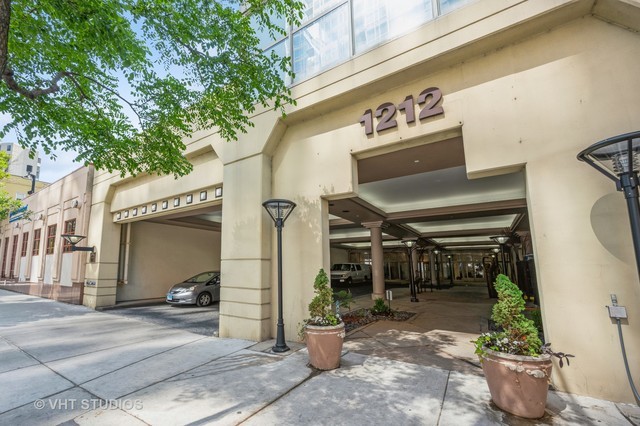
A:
[51, 169]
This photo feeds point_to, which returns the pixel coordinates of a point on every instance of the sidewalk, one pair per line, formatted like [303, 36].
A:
[64, 363]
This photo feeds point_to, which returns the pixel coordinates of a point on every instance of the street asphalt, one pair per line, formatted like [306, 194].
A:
[66, 364]
[194, 319]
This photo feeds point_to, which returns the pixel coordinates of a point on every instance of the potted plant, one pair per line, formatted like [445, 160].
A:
[516, 365]
[323, 330]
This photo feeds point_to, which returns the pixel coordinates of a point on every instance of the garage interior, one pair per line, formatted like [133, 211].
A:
[166, 250]
[422, 192]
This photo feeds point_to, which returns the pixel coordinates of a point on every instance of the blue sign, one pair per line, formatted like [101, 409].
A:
[17, 214]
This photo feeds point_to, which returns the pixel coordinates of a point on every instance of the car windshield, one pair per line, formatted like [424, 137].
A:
[202, 278]
[341, 267]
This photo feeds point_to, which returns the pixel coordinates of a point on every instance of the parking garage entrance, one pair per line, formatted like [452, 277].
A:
[423, 194]
[165, 249]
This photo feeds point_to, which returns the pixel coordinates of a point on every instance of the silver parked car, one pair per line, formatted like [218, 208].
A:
[201, 290]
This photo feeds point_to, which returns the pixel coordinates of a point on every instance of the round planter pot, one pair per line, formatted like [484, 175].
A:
[518, 384]
[324, 344]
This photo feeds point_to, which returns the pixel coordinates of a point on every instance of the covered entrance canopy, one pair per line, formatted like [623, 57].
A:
[423, 192]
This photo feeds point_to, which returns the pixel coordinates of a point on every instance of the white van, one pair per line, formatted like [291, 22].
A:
[349, 273]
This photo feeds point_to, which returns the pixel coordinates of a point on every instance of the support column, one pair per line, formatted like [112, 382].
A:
[377, 259]
[245, 306]
[100, 284]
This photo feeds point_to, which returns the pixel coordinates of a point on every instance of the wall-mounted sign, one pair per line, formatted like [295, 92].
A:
[17, 214]
[386, 112]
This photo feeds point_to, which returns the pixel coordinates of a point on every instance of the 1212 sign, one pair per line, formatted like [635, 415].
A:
[386, 112]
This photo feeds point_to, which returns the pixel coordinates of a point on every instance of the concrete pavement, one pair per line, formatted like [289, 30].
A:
[65, 364]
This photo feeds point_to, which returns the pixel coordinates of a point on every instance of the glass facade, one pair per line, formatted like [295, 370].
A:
[375, 21]
[321, 44]
[332, 31]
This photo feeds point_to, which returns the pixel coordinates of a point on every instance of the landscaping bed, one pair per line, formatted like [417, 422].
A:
[360, 317]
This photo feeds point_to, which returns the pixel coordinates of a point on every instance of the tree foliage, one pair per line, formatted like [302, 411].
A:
[123, 82]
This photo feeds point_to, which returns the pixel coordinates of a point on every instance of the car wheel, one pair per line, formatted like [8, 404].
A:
[204, 299]
[349, 281]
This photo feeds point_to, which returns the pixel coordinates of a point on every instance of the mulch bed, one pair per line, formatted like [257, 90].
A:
[356, 319]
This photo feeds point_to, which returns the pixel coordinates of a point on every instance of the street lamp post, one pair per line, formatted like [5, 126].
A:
[451, 269]
[279, 210]
[411, 243]
[437, 252]
[502, 240]
[618, 158]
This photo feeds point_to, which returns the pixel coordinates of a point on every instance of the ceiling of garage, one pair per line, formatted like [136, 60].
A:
[423, 192]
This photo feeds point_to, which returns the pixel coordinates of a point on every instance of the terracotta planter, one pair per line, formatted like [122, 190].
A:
[518, 384]
[324, 344]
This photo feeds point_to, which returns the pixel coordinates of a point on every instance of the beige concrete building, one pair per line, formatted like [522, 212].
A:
[447, 121]
[35, 259]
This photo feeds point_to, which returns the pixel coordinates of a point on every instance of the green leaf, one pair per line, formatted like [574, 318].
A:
[124, 82]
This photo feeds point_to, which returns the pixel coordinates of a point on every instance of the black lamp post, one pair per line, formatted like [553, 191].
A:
[451, 269]
[411, 244]
[618, 158]
[502, 240]
[437, 252]
[279, 210]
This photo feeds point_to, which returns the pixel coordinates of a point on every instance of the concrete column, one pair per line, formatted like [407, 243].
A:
[101, 276]
[377, 259]
[245, 306]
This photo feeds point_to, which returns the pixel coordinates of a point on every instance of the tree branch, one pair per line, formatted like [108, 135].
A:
[132, 105]
[13, 85]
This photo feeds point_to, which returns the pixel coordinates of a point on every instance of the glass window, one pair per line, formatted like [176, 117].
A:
[322, 44]
[36, 242]
[69, 228]
[447, 6]
[315, 8]
[51, 239]
[263, 35]
[375, 21]
[25, 242]
[282, 50]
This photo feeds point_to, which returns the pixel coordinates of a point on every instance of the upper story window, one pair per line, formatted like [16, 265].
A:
[332, 31]
[379, 20]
